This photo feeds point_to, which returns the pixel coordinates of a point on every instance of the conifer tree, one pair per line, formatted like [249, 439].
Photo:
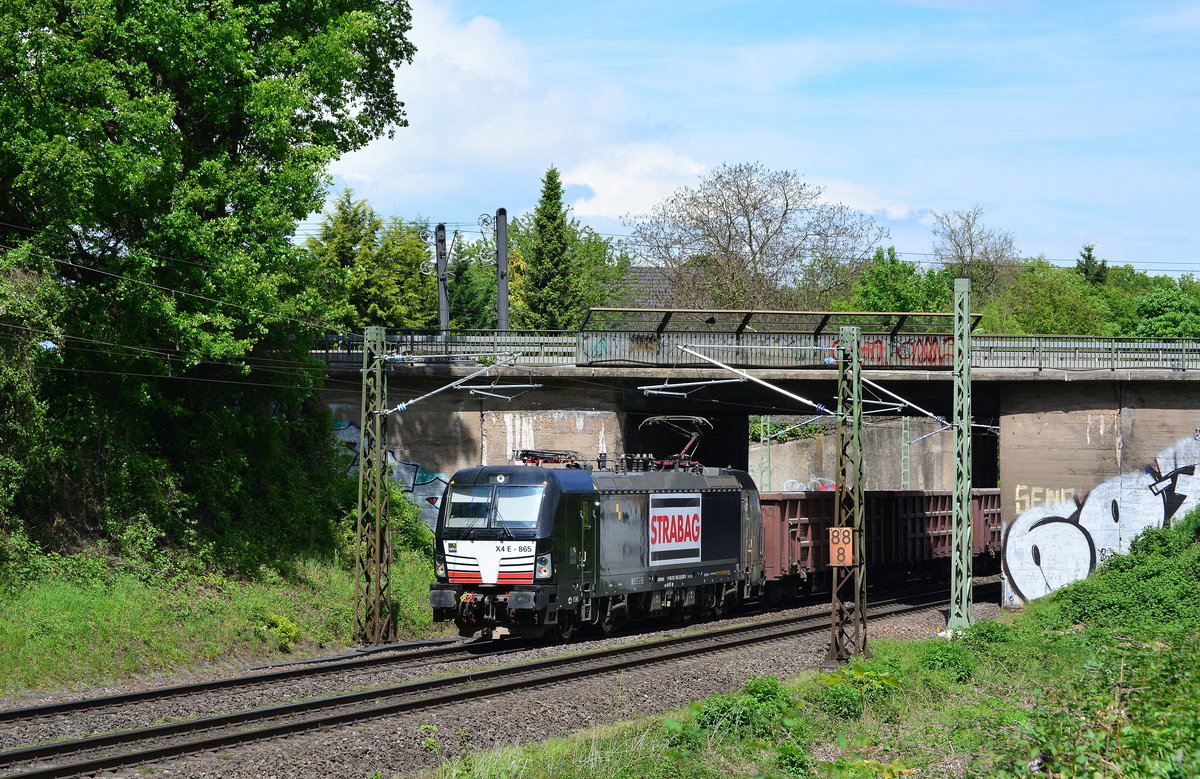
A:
[375, 267]
[568, 267]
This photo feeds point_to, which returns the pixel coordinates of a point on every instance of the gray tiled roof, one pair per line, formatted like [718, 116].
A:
[647, 287]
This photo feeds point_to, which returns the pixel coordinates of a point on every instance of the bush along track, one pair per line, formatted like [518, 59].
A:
[1098, 680]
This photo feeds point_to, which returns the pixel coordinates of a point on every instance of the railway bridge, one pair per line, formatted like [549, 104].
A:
[1090, 440]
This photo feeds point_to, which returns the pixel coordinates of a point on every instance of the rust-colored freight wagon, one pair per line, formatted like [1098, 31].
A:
[906, 530]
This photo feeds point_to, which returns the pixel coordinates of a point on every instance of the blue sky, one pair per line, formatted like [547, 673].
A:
[1068, 122]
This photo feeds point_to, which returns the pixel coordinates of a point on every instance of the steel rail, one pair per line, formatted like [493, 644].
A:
[253, 680]
[571, 667]
[316, 667]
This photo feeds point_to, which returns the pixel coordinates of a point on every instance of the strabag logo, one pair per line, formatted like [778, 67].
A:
[675, 528]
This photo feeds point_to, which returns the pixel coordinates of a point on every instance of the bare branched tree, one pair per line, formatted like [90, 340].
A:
[989, 258]
[748, 237]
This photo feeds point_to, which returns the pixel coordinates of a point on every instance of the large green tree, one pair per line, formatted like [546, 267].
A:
[376, 266]
[1045, 299]
[1167, 313]
[889, 283]
[568, 267]
[155, 156]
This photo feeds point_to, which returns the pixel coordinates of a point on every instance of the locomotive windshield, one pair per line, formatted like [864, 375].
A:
[507, 507]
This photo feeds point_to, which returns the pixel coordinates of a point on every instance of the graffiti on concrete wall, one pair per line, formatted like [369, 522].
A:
[814, 484]
[1060, 536]
[426, 488]
[422, 484]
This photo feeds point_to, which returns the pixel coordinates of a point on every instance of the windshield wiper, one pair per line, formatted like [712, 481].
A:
[502, 526]
[470, 531]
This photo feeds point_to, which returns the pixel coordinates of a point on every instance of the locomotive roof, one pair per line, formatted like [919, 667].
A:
[580, 480]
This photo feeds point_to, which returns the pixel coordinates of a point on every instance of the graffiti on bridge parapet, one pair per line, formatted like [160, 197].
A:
[597, 350]
[914, 350]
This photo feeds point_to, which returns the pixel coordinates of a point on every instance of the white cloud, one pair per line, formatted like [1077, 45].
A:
[630, 178]
[1056, 120]
[1185, 18]
[865, 199]
[479, 107]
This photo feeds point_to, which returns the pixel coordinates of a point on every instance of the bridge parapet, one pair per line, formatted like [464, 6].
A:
[771, 350]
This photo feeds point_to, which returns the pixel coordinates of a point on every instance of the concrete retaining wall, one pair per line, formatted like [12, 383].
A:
[1084, 469]
[811, 463]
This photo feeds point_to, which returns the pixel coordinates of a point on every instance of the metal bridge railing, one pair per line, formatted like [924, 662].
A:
[774, 350]
[537, 347]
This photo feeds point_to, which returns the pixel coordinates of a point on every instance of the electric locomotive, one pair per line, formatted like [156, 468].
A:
[542, 551]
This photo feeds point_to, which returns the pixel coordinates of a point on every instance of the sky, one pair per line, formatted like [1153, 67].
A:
[1067, 122]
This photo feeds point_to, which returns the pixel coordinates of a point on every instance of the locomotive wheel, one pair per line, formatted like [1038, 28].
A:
[464, 628]
[609, 626]
[567, 625]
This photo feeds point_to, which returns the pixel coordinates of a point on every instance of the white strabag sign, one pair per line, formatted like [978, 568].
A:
[675, 528]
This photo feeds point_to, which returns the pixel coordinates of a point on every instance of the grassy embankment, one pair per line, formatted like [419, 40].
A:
[1099, 680]
[84, 620]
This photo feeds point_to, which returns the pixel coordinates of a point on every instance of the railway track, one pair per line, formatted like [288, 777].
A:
[400, 658]
[143, 745]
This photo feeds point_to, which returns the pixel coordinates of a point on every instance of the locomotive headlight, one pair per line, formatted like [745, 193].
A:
[439, 565]
[542, 569]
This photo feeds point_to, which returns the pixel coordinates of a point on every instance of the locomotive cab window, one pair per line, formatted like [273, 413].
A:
[487, 506]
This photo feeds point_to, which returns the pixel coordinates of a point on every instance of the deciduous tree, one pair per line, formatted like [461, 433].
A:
[155, 158]
[1044, 299]
[891, 284]
[963, 244]
[750, 237]
[1168, 313]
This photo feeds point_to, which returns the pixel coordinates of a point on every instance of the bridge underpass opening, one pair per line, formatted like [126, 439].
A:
[731, 441]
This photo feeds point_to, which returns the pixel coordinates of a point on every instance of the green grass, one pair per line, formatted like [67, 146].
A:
[66, 633]
[1099, 680]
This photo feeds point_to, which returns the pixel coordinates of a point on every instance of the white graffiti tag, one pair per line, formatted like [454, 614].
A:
[1057, 543]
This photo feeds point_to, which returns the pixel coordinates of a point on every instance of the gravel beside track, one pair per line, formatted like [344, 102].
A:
[396, 744]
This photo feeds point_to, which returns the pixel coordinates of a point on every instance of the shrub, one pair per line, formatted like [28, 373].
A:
[1156, 585]
[757, 710]
[1131, 712]
[840, 699]
[875, 681]
[950, 659]
[279, 631]
[988, 633]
